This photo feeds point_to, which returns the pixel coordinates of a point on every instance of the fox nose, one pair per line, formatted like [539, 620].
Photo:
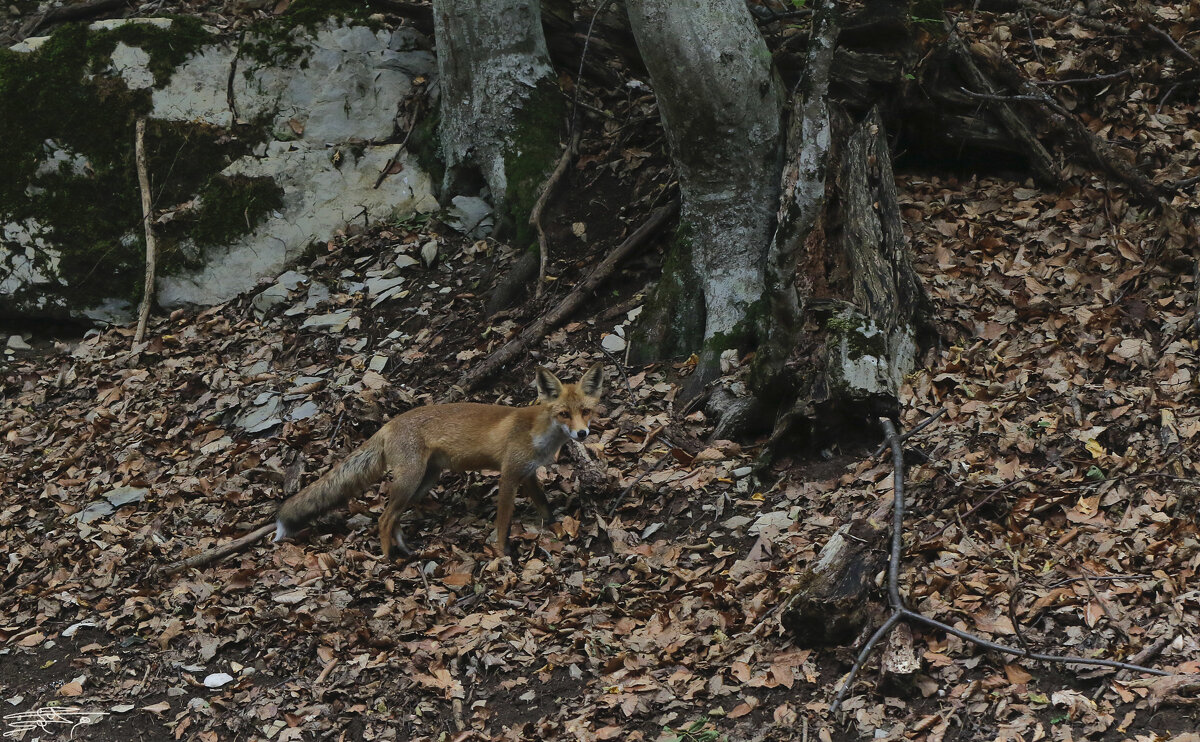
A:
[581, 434]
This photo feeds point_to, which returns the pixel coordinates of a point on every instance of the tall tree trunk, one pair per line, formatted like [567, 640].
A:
[501, 111]
[721, 107]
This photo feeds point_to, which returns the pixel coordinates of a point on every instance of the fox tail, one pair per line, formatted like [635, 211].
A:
[362, 468]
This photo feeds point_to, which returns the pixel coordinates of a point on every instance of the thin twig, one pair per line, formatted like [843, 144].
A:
[1085, 80]
[621, 369]
[920, 426]
[535, 215]
[1002, 98]
[148, 224]
[1007, 485]
[1175, 45]
[617, 501]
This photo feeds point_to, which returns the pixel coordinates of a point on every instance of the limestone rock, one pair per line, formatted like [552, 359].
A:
[315, 102]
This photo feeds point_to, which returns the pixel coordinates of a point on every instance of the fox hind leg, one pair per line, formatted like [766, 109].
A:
[406, 490]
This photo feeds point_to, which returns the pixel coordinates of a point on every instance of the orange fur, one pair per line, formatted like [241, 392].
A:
[417, 446]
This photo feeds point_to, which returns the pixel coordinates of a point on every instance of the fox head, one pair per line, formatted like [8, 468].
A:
[571, 405]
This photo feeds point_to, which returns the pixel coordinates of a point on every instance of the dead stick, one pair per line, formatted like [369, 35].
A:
[616, 503]
[535, 216]
[1175, 45]
[220, 552]
[147, 222]
[571, 302]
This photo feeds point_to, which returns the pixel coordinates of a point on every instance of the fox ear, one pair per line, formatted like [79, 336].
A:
[592, 382]
[548, 385]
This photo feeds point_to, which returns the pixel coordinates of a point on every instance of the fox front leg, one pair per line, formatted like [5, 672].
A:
[532, 488]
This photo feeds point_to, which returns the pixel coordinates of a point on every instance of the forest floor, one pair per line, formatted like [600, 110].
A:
[1053, 506]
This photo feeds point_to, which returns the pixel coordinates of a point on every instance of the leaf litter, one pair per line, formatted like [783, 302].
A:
[1053, 506]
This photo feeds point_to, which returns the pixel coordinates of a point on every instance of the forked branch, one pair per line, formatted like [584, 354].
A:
[902, 613]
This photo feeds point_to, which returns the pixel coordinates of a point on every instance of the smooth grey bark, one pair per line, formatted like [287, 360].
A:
[721, 107]
[500, 106]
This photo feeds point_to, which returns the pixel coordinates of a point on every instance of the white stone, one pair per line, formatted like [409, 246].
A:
[110, 24]
[32, 44]
[319, 197]
[198, 90]
[133, 65]
[334, 322]
[429, 252]
[343, 97]
[613, 343]
[344, 89]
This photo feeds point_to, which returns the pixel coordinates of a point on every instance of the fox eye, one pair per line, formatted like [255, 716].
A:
[585, 411]
[564, 415]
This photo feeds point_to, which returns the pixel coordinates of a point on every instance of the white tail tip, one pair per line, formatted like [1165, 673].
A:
[281, 532]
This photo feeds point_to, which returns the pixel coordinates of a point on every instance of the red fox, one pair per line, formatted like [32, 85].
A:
[417, 446]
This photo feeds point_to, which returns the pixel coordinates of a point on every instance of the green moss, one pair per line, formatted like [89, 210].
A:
[312, 13]
[531, 155]
[168, 48]
[426, 147]
[228, 207]
[58, 101]
[862, 338]
[275, 41]
[672, 324]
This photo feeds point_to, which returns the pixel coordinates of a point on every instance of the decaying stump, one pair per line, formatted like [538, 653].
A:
[829, 607]
[866, 316]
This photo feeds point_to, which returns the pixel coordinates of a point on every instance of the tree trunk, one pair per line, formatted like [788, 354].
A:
[721, 108]
[873, 341]
[501, 111]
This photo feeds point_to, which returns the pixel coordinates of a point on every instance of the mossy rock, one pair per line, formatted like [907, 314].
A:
[71, 233]
[68, 156]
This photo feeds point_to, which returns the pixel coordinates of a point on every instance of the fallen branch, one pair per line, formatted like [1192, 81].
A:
[148, 224]
[571, 302]
[1040, 158]
[82, 11]
[218, 553]
[1094, 24]
[902, 613]
[1066, 124]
